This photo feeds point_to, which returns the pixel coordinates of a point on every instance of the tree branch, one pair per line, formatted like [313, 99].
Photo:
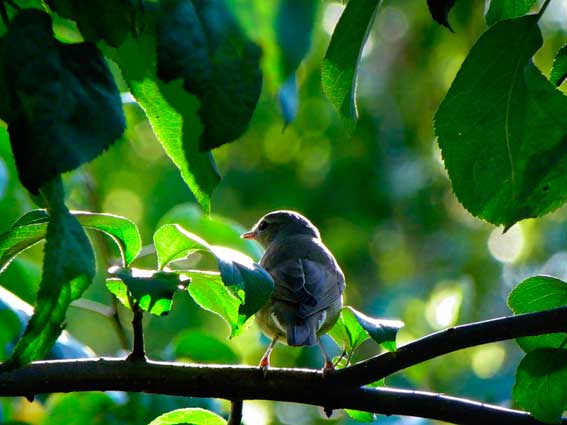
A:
[452, 339]
[341, 389]
[245, 383]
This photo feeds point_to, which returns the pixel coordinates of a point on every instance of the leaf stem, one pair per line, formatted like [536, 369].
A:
[13, 4]
[4, 14]
[543, 8]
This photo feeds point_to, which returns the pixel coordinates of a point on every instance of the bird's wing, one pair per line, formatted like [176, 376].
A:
[308, 283]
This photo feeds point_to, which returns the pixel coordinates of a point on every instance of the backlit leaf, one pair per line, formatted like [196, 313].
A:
[501, 128]
[151, 290]
[192, 415]
[537, 294]
[68, 268]
[506, 9]
[340, 65]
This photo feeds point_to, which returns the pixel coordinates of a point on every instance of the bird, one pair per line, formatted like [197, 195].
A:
[309, 283]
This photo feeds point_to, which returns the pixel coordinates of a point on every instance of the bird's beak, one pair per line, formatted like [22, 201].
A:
[249, 235]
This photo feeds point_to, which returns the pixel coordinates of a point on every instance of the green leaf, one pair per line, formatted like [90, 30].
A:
[31, 228]
[506, 9]
[537, 294]
[340, 65]
[121, 230]
[353, 328]
[222, 230]
[202, 43]
[501, 128]
[203, 348]
[210, 293]
[68, 268]
[174, 242]
[439, 10]
[79, 409]
[172, 113]
[47, 137]
[191, 415]
[18, 239]
[110, 20]
[150, 290]
[360, 416]
[559, 68]
[541, 384]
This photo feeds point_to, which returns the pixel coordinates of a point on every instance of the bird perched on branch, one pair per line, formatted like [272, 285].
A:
[309, 283]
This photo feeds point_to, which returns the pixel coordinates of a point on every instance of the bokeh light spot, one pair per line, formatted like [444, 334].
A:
[392, 24]
[124, 202]
[444, 306]
[506, 247]
[487, 360]
[254, 412]
[281, 146]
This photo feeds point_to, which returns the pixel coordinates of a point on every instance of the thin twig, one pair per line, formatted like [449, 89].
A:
[235, 417]
[138, 351]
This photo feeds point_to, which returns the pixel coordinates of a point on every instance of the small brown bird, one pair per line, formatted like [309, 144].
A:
[309, 283]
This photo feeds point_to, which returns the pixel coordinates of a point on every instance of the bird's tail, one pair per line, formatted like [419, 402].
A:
[303, 331]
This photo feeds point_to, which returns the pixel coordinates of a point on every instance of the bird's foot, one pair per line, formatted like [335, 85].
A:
[264, 365]
[328, 368]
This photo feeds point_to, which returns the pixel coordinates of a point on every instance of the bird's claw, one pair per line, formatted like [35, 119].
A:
[328, 368]
[264, 365]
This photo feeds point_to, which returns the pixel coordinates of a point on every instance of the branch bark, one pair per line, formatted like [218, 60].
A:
[340, 389]
[247, 383]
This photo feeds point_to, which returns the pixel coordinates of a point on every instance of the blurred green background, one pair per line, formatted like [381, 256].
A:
[380, 197]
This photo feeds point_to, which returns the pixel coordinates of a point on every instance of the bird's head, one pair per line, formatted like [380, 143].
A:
[280, 224]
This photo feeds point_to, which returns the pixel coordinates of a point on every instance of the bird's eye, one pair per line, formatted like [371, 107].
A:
[262, 226]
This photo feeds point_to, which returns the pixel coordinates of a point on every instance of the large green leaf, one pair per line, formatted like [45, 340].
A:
[150, 290]
[31, 229]
[559, 69]
[506, 9]
[68, 268]
[236, 269]
[340, 65]
[172, 113]
[191, 415]
[110, 20]
[64, 107]
[541, 384]
[201, 42]
[353, 328]
[439, 10]
[501, 128]
[91, 408]
[537, 294]
[201, 347]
